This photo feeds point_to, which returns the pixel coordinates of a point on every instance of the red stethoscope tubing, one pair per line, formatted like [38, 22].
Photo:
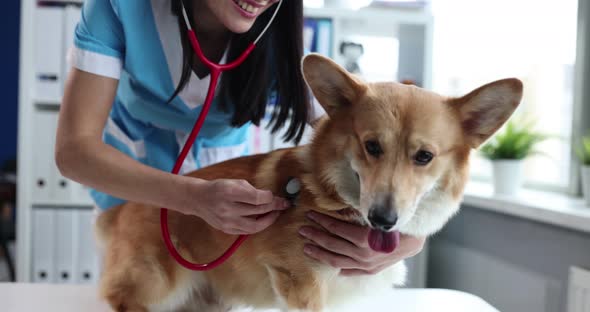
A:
[215, 72]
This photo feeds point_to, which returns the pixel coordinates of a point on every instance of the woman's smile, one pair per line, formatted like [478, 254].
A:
[250, 8]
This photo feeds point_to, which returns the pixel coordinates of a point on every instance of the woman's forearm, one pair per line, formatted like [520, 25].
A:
[83, 157]
[106, 169]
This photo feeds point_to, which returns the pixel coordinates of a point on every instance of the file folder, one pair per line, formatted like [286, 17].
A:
[60, 188]
[48, 53]
[72, 15]
[44, 168]
[64, 245]
[87, 265]
[43, 262]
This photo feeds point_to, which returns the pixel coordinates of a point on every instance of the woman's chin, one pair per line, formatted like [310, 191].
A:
[239, 27]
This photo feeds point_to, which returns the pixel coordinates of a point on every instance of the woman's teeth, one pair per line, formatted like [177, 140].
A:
[247, 7]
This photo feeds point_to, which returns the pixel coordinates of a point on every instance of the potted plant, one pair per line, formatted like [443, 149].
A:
[584, 156]
[507, 150]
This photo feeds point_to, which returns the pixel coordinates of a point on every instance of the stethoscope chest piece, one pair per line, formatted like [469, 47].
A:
[292, 189]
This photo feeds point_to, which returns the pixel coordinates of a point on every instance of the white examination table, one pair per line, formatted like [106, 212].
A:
[66, 298]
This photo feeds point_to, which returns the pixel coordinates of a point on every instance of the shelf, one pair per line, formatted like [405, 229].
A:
[400, 16]
[59, 2]
[63, 204]
[52, 102]
[541, 206]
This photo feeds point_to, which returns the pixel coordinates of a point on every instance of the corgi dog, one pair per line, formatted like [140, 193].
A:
[389, 156]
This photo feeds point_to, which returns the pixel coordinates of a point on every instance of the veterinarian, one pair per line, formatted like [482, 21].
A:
[136, 88]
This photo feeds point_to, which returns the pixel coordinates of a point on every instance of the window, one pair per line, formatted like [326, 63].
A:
[379, 60]
[476, 42]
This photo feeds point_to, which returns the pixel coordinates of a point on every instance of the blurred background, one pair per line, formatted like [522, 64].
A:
[522, 239]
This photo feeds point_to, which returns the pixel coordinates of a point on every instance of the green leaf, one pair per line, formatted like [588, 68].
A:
[583, 151]
[517, 140]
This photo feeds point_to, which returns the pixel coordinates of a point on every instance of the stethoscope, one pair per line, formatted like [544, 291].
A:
[215, 72]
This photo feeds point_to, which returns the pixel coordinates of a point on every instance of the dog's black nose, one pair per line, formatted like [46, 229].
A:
[383, 221]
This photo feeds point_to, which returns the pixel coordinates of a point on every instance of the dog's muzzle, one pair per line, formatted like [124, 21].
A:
[382, 214]
[383, 222]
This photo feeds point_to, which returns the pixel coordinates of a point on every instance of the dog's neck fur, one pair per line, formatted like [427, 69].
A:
[316, 178]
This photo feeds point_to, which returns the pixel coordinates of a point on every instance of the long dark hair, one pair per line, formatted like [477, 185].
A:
[273, 68]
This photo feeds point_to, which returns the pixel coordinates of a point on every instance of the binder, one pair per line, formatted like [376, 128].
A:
[44, 167]
[61, 188]
[87, 264]
[318, 35]
[64, 245]
[72, 15]
[48, 183]
[80, 194]
[324, 43]
[43, 264]
[48, 53]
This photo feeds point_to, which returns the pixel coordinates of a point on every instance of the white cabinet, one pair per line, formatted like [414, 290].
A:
[63, 248]
[47, 183]
[55, 242]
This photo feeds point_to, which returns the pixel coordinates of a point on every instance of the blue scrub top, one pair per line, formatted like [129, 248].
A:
[138, 43]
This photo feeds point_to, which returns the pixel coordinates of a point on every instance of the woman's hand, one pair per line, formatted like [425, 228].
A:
[234, 206]
[345, 246]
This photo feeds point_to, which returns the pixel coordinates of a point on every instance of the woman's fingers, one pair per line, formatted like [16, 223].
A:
[345, 246]
[255, 210]
[356, 272]
[410, 246]
[353, 233]
[242, 191]
[251, 225]
[235, 232]
[334, 244]
[353, 272]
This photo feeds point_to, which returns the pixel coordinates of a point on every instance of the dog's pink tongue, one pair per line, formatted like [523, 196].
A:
[383, 241]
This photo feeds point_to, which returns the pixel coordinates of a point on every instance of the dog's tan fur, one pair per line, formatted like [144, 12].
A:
[270, 269]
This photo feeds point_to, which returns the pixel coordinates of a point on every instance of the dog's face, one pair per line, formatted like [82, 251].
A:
[405, 150]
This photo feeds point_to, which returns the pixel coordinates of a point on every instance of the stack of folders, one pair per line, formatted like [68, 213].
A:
[62, 247]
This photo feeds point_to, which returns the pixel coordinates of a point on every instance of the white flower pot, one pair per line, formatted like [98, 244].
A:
[586, 184]
[507, 176]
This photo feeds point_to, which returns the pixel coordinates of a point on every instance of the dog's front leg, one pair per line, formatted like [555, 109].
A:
[298, 291]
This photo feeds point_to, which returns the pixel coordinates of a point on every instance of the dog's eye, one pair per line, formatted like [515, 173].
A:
[373, 148]
[422, 158]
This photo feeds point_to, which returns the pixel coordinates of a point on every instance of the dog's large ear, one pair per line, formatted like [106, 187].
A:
[331, 84]
[484, 110]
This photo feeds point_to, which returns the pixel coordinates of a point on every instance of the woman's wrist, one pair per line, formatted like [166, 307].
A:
[187, 193]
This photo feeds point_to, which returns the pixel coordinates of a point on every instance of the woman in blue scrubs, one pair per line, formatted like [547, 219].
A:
[134, 93]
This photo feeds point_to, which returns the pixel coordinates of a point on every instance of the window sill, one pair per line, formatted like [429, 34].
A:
[541, 206]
